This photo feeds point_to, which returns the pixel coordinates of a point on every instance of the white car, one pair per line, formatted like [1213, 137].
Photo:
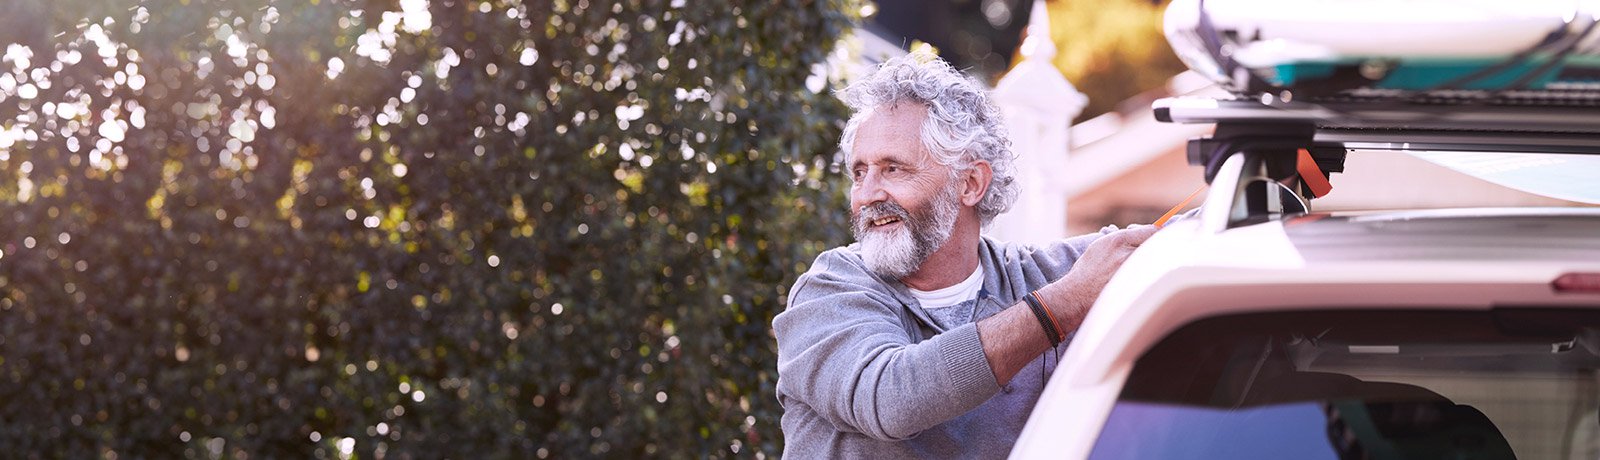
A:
[1262, 329]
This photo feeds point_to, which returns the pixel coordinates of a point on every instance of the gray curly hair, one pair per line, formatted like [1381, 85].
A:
[963, 126]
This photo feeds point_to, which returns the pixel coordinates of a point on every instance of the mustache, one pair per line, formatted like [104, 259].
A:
[874, 211]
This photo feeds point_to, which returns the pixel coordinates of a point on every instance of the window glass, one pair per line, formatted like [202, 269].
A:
[1506, 383]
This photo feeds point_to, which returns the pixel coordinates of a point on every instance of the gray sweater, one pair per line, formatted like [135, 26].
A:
[863, 371]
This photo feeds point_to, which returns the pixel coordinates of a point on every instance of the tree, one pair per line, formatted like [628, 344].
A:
[414, 229]
[1111, 50]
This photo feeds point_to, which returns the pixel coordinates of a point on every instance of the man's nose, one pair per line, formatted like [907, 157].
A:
[868, 190]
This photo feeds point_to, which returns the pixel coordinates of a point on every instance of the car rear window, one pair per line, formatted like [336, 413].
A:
[1502, 383]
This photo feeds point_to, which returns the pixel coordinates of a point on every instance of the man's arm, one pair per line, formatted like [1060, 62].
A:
[844, 353]
[1014, 337]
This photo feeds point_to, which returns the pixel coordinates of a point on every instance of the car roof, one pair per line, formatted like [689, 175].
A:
[1483, 234]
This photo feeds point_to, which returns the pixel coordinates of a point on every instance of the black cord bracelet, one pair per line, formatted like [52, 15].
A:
[1044, 319]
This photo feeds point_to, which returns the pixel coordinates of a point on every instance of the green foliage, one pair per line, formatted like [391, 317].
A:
[1111, 50]
[339, 228]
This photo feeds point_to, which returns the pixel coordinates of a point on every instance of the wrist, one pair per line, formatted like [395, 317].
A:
[1066, 302]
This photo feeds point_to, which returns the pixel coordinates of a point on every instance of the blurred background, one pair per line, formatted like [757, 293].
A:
[445, 228]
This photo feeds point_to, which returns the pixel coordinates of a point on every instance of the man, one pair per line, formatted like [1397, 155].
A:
[921, 339]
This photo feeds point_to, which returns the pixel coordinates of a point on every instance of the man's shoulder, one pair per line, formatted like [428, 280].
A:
[840, 268]
[839, 274]
[1012, 250]
[846, 259]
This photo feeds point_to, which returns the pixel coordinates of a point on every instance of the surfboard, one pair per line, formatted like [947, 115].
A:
[1538, 52]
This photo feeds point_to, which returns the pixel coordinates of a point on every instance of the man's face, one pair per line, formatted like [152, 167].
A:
[903, 203]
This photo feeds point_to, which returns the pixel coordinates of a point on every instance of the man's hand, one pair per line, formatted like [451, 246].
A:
[1070, 297]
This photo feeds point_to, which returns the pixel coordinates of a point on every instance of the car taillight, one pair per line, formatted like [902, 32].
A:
[1577, 282]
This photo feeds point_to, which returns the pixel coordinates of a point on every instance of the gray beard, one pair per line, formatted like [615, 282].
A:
[898, 253]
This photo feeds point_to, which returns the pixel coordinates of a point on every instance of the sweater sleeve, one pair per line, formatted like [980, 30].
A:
[845, 354]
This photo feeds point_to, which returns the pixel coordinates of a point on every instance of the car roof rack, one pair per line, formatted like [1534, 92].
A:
[1258, 141]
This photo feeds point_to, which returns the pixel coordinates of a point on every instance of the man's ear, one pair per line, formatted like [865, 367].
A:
[975, 182]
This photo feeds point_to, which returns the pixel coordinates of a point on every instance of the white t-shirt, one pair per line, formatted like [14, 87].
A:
[952, 306]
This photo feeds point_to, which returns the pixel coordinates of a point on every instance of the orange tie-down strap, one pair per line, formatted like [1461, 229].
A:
[1311, 175]
[1162, 222]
